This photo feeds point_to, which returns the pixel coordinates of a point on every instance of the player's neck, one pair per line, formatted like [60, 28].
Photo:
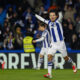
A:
[54, 20]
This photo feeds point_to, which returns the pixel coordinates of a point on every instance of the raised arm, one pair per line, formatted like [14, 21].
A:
[60, 16]
[41, 19]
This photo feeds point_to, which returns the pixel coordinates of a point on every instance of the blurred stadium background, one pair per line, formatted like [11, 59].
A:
[18, 26]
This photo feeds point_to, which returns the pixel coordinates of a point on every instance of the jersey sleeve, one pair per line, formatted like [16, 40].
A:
[40, 39]
[41, 19]
[44, 34]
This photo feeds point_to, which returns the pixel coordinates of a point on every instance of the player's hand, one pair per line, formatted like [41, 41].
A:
[34, 41]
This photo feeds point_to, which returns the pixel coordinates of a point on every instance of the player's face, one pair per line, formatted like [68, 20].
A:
[52, 16]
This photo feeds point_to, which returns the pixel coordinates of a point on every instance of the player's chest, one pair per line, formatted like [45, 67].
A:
[52, 25]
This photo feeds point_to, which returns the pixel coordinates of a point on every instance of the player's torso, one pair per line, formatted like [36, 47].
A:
[46, 42]
[56, 31]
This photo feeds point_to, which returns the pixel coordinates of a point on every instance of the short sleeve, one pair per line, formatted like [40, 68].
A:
[44, 34]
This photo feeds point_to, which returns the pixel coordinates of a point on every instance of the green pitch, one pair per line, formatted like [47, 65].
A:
[30, 74]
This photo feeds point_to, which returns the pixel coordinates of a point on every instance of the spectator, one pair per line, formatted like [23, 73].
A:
[7, 31]
[6, 25]
[9, 42]
[77, 24]
[42, 10]
[2, 16]
[28, 32]
[65, 31]
[27, 13]
[20, 16]
[54, 6]
[74, 42]
[69, 2]
[10, 13]
[1, 38]
[71, 31]
[69, 20]
[79, 37]
[18, 43]
[27, 42]
[20, 12]
[20, 23]
[38, 3]
[31, 2]
[77, 6]
[30, 24]
[69, 13]
[13, 19]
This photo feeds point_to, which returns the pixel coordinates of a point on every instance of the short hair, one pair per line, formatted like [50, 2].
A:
[54, 11]
[42, 24]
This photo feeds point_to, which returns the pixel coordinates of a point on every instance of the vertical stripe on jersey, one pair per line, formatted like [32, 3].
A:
[44, 43]
[59, 31]
[47, 39]
[53, 34]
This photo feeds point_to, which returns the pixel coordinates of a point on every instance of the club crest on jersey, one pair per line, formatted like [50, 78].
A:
[53, 24]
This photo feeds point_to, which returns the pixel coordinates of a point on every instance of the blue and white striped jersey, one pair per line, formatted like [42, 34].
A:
[56, 31]
[55, 28]
[46, 41]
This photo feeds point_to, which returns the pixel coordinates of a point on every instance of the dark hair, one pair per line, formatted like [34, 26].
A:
[42, 24]
[54, 11]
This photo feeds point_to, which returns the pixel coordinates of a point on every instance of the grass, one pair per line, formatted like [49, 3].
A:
[30, 74]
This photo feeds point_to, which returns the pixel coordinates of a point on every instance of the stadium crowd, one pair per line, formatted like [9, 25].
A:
[17, 20]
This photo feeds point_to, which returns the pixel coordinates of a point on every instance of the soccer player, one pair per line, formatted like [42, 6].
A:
[57, 39]
[45, 38]
[2, 63]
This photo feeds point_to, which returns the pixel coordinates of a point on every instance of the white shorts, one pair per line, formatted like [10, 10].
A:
[58, 46]
[44, 51]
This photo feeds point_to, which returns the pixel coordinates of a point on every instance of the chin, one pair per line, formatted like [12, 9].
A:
[52, 20]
